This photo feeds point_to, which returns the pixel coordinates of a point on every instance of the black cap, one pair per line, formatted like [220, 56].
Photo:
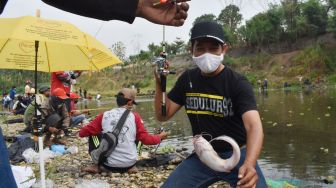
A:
[207, 29]
[43, 89]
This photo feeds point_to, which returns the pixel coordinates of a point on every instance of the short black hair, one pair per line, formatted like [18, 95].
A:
[121, 100]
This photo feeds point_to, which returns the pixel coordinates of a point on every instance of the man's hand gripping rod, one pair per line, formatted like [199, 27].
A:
[162, 70]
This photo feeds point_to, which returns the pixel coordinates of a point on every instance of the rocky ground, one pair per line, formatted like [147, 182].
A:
[65, 170]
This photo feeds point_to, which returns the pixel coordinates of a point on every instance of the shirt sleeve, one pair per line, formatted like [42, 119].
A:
[123, 10]
[15, 105]
[245, 100]
[142, 134]
[92, 129]
[66, 116]
[177, 93]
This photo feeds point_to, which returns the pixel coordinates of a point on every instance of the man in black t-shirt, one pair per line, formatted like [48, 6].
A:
[218, 101]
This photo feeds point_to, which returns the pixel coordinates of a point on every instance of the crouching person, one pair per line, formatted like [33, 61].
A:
[57, 119]
[124, 156]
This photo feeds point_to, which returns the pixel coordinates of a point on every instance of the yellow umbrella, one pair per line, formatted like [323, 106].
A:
[62, 46]
[32, 43]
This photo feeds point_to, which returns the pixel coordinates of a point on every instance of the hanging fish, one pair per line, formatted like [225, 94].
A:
[209, 157]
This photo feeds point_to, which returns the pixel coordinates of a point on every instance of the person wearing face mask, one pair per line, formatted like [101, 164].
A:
[57, 118]
[124, 157]
[218, 101]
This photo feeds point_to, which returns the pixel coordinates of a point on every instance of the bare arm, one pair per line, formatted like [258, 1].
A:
[255, 135]
[247, 173]
[171, 107]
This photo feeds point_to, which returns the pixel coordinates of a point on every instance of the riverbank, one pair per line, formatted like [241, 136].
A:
[65, 170]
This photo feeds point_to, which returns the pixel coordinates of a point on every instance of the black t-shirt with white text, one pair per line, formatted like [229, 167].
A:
[215, 105]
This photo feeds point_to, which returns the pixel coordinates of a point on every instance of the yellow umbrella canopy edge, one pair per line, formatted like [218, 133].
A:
[99, 55]
[33, 28]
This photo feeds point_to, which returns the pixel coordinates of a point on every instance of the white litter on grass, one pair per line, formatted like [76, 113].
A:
[95, 183]
[72, 150]
[32, 156]
[24, 176]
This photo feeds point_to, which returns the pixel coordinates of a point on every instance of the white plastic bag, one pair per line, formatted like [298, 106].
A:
[72, 150]
[32, 157]
[24, 176]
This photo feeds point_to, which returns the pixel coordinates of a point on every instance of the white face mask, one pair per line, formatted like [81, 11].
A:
[208, 62]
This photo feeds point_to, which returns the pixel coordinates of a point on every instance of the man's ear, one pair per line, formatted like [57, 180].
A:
[190, 49]
[225, 48]
[130, 103]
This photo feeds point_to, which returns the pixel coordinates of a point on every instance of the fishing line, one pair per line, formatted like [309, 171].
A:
[204, 134]
[101, 26]
[197, 118]
[93, 109]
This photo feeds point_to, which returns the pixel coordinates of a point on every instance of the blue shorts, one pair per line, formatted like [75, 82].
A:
[192, 173]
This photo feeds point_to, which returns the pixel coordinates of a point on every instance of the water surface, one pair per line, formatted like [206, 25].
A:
[299, 128]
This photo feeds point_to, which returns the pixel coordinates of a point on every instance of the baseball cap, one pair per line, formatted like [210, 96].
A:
[44, 89]
[60, 93]
[74, 96]
[129, 94]
[209, 29]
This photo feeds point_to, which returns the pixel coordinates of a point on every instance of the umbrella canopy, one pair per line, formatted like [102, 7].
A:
[32, 43]
[62, 46]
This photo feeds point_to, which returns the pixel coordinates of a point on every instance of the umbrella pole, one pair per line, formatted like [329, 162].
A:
[38, 126]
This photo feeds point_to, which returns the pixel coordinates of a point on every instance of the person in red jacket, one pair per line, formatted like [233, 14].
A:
[64, 80]
[124, 157]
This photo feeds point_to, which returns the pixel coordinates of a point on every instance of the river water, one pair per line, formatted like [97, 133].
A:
[299, 128]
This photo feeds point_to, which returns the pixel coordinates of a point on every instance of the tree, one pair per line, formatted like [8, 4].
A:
[258, 30]
[119, 50]
[275, 17]
[154, 50]
[205, 17]
[333, 24]
[177, 47]
[230, 17]
[316, 17]
[291, 16]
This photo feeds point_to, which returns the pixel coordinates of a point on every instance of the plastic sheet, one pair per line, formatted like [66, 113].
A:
[24, 176]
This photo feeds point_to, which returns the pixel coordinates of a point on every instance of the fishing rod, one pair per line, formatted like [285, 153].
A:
[93, 109]
[162, 70]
